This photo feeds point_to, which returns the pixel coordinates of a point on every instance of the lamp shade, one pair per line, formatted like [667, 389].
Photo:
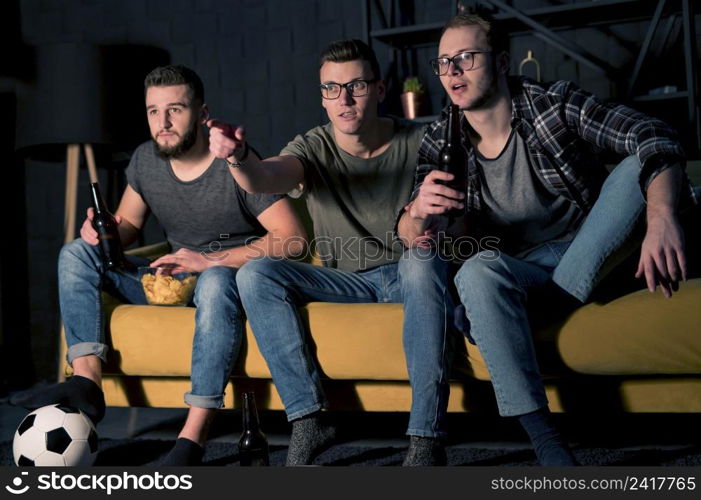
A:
[65, 102]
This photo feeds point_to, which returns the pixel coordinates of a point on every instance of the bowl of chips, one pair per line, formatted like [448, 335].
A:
[163, 287]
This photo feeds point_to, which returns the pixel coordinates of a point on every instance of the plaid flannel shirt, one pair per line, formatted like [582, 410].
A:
[563, 126]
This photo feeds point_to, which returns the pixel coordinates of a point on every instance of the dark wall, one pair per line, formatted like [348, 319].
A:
[257, 58]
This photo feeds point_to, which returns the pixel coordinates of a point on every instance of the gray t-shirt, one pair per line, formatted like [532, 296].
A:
[519, 209]
[353, 201]
[208, 213]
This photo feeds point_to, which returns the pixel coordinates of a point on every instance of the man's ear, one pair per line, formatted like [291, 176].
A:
[204, 113]
[381, 90]
[503, 63]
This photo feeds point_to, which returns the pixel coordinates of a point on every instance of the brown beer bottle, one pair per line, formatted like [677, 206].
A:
[253, 446]
[452, 159]
[106, 227]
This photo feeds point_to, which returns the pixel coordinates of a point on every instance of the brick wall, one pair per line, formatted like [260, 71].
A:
[257, 58]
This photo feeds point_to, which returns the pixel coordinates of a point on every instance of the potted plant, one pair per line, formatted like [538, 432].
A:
[412, 97]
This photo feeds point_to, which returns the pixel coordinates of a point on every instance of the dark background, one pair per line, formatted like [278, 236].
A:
[258, 60]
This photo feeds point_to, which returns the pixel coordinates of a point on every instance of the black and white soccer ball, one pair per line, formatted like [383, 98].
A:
[55, 435]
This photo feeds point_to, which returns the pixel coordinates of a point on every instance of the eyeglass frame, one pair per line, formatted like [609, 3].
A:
[452, 60]
[345, 86]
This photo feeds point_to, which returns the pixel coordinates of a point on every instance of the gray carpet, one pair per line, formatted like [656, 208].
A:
[130, 437]
[134, 452]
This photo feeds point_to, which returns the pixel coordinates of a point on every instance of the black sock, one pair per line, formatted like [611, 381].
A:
[78, 392]
[549, 446]
[185, 452]
[311, 436]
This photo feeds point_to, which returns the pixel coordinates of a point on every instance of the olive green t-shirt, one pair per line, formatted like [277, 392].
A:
[353, 202]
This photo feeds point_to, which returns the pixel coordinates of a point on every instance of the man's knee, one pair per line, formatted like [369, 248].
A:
[420, 266]
[77, 247]
[480, 271]
[627, 172]
[215, 284]
[255, 272]
[76, 251]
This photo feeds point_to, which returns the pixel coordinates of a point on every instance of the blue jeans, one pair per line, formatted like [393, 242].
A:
[494, 289]
[272, 290]
[218, 318]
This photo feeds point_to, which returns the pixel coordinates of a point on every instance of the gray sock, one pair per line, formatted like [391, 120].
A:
[425, 451]
[311, 436]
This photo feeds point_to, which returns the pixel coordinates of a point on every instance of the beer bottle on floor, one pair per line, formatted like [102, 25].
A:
[107, 232]
[253, 446]
[452, 159]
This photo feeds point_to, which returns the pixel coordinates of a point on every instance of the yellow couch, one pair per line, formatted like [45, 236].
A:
[638, 353]
[641, 353]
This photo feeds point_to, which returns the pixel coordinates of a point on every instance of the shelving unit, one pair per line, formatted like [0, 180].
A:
[550, 24]
[587, 13]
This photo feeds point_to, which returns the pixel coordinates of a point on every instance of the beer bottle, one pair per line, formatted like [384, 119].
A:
[253, 446]
[452, 159]
[107, 232]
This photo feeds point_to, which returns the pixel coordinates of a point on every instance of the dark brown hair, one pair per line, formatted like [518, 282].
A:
[164, 76]
[350, 50]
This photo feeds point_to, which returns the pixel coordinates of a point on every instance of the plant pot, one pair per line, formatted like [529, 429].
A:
[412, 104]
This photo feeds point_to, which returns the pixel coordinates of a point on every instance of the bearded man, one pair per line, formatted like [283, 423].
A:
[200, 207]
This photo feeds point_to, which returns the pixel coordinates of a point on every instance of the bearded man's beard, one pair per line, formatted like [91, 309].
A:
[184, 145]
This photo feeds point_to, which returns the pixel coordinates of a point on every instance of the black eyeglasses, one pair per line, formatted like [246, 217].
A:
[356, 88]
[464, 60]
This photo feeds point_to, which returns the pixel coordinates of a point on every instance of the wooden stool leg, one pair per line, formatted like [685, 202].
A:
[72, 166]
[90, 157]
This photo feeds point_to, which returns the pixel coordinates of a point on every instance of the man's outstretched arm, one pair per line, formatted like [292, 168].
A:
[278, 174]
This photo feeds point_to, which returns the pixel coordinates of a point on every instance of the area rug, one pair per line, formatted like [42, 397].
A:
[148, 452]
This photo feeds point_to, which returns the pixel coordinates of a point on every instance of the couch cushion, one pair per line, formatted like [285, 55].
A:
[637, 334]
[352, 341]
[640, 333]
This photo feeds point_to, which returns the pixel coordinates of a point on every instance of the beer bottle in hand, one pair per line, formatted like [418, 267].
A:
[106, 227]
[253, 446]
[452, 159]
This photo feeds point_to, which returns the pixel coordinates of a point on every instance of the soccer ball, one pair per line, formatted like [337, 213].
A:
[55, 435]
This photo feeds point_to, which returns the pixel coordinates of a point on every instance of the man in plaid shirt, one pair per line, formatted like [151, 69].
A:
[535, 186]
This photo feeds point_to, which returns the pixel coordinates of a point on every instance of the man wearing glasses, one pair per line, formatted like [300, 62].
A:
[356, 173]
[533, 181]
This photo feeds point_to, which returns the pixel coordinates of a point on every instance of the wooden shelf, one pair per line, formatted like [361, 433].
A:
[683, 94]
[586, 13]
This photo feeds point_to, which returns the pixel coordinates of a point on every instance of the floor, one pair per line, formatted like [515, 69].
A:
[380, 430]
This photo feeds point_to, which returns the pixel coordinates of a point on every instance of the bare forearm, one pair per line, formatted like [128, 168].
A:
[252, 176]
[271, 245]
[128, 233]
[273, 175]
[662, 255]
[410, 229]
[663, 193]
